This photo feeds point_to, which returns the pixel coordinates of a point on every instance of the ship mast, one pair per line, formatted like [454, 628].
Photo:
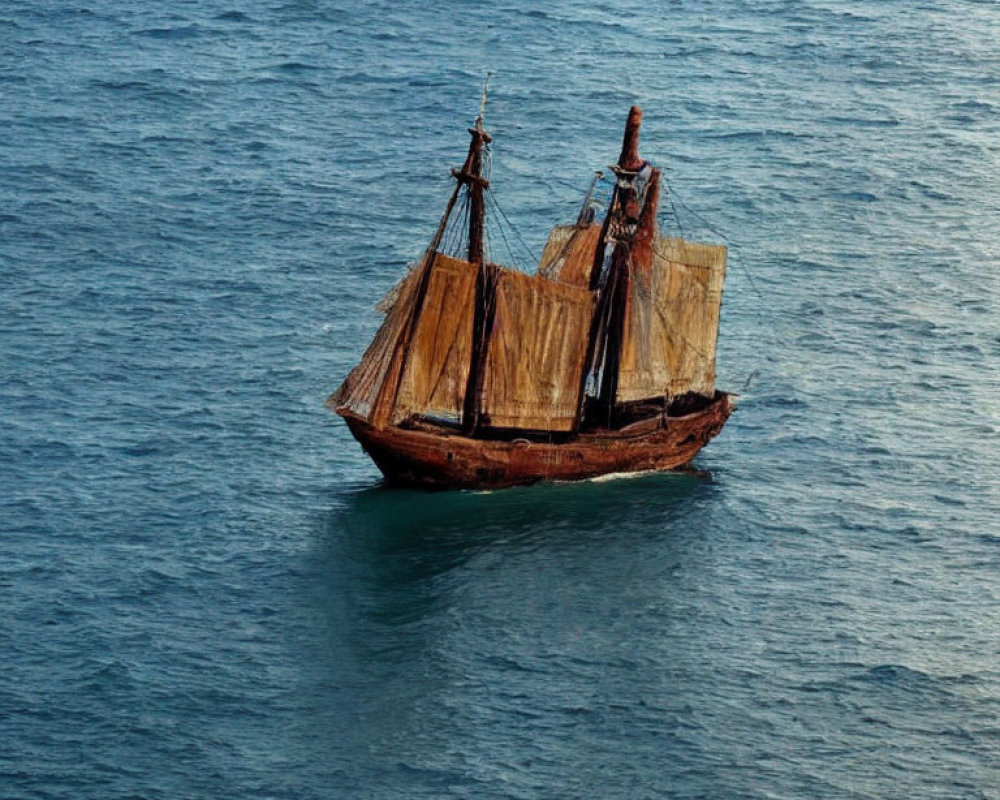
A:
[486, 277]
[619, 229]
[470, 176]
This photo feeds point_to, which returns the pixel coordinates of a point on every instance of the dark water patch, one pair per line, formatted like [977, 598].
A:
[233, 16]
[119, 85]
[861, 197]
[979, 106]
[179, 33]
[898, 676]
[148, 91]
[295, 67]
[445, 517]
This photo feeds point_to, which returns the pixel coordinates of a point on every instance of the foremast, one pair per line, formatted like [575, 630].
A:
[469, 176]
[487, 275]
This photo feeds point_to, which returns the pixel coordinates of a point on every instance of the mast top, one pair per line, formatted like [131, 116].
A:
[482, 104]
[629, 158]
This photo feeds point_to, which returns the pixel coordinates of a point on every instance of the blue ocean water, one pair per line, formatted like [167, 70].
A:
[206, 592]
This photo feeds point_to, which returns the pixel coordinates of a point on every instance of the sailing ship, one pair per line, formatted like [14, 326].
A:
[483, 376]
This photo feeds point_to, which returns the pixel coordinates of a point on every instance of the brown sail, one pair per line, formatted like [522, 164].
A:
[437, 361]
[568, 256]
[536, 353]
[434, 366]
[672, 323]
[360, 391]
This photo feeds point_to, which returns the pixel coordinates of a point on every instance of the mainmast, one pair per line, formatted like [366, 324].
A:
[621, 225]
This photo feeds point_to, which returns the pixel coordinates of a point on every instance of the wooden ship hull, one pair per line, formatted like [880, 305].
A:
[603, 361]
[430, 456]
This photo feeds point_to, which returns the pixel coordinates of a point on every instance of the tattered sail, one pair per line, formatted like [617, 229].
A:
[361, 390]
[533, 361]
[437, 359]
[568, 256]
[420, 355]
[672, 322]
[389, 298]
[536, 353]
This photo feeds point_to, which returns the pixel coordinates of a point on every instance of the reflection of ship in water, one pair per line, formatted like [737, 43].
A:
[482, 376]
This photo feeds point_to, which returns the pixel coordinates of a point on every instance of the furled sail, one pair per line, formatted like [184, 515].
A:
[672, 322]
[568, 256]
[536, 353]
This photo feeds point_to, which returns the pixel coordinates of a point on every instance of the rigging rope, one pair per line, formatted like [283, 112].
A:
[504, 219]
[510, 253]
[739, 257]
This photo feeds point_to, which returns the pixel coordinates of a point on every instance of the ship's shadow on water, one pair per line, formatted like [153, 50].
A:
[387, 547]
[381, 523]
[424, 599]
[392, 557]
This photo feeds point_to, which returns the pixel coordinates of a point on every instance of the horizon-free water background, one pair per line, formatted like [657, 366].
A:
[205, 592]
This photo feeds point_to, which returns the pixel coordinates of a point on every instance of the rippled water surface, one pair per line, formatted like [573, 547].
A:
[206, 592]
